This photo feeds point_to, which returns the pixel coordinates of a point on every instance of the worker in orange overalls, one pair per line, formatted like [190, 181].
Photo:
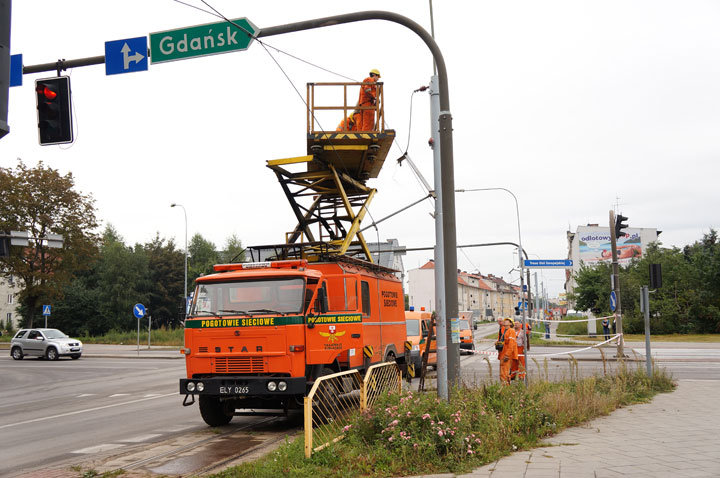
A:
[517, 369]
[350, 123]
[368, 98]
[509, 351]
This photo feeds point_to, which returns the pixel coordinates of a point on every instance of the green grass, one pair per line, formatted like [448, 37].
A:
[414, 433]
[167, 337]
[162, 336]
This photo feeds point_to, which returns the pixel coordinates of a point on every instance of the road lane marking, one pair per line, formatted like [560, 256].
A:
[178, 428]
[86, 395]
[97, 448]
[77, 412]
[141, 438]
[119, 395]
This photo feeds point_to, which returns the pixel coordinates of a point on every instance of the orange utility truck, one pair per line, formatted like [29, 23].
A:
[258, 334]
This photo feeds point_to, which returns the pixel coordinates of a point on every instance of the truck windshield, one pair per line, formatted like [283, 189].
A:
[249, 297]
[464, 324]
[412, 327]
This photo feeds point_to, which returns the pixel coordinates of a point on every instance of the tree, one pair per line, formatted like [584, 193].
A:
[233, 250]
[203, 257]
[165, 265]
[687, 302]
[42, 201]
[122, 280]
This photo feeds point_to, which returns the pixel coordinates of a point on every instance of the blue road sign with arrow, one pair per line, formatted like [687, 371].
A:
[126, 56]
[139, 311]
[613, 300]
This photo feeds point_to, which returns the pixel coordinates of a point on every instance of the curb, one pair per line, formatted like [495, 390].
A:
[134, 356]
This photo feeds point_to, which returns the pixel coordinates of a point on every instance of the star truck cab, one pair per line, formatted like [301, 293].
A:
[259, 334]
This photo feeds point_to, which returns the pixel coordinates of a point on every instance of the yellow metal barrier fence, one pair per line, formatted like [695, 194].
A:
[381, 377]
[333, 398]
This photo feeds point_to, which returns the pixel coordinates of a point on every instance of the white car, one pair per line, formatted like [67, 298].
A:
[49, 343]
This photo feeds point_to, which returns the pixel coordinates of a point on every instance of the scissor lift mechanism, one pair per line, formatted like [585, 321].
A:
[331, 190]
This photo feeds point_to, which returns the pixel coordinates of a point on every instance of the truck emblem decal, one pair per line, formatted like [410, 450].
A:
[332, 336]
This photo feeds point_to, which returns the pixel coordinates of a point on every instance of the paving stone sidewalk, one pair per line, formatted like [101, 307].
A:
[675, 435]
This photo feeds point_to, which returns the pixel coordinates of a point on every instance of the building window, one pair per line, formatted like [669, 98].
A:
[9, 319]
[11, 298]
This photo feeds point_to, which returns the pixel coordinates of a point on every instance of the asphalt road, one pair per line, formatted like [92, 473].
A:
[60, 412]
[70, 411]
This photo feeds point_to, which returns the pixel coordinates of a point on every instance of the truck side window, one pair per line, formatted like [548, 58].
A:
[365, 292]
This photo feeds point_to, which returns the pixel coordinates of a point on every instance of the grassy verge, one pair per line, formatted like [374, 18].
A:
[162, 336]
[167, 337]
[414, 433]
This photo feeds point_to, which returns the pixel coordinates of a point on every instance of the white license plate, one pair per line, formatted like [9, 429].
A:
[235, 390]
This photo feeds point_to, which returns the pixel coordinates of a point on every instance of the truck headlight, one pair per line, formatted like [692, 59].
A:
[200, 386]
[191, 386]
[282, 386]
[272, 386]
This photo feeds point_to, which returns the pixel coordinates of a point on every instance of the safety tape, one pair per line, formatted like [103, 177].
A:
[538, 332]
[615, 337]
[569, 321]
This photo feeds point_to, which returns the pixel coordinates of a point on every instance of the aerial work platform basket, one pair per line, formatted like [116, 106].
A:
[327, 188]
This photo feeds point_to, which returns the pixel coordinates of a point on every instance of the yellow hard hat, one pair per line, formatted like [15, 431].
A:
[375, 71]
[512, 322]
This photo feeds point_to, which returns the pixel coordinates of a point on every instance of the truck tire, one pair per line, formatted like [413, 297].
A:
[213, 411]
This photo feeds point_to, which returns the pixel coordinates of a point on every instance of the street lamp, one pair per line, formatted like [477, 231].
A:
[520, 255]
[186, 257]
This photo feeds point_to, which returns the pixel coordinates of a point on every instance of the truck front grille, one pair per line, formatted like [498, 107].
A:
[239, 365]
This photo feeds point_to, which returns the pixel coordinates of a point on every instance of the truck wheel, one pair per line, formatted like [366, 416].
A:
[213, 411]
[17, 353]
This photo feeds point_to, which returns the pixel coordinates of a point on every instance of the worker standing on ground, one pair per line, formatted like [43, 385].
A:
[606, 328]
[368, 98]
[517, 369]
[509, 351]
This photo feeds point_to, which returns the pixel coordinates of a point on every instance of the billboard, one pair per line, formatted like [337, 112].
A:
[594, 245]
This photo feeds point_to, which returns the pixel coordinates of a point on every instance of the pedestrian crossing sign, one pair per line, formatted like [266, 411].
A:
[46, 310]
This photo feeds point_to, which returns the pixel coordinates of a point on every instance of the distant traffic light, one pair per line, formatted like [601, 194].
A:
[619, 226]
[54, 110]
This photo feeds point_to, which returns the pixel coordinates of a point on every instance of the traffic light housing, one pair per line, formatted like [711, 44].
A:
[54, 110]
[619, 225]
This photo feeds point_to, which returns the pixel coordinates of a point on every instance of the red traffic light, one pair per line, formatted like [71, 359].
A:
[46, 92]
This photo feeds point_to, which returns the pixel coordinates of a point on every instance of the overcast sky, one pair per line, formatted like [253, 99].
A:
[574, 106]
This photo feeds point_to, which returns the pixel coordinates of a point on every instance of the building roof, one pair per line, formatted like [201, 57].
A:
[428, 265]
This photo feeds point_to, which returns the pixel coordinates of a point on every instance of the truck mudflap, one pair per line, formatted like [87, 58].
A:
[238, 386]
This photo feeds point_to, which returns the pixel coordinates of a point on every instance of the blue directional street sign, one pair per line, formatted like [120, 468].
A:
[548, 263]
[139, 311]
[46, 310]
[126, 56]
[613, 300]
[16, 70]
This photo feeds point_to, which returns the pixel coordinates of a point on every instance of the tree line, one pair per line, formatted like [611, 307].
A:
[93, 280]
[687, 302]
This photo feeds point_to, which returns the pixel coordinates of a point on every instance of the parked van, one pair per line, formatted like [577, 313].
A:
[417, 325]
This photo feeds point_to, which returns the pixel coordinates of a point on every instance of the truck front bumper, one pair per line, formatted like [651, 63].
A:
[239, 386]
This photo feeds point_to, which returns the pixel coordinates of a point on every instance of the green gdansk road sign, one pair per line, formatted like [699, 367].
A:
[200, 40]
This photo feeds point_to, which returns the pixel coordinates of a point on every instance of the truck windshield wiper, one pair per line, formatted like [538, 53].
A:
[234, 311]
[204, 312]
[268, 311]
